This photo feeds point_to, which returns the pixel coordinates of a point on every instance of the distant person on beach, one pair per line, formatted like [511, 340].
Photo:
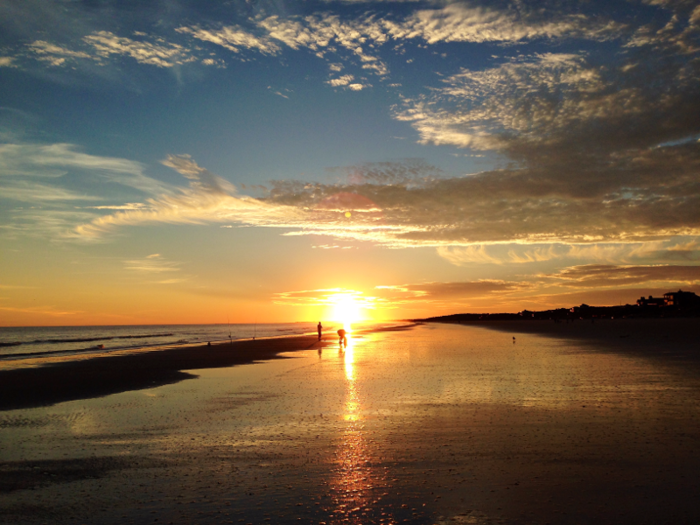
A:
[343, 340]
[320, 327]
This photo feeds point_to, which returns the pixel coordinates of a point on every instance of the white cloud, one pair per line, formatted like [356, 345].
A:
[341, 81]
[6, 61]
[160, 53]
[232, 38]
[461, 23]
[347, 81]
[53, 54]
[361, 37]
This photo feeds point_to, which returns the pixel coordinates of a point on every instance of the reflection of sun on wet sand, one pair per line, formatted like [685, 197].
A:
[354, 476]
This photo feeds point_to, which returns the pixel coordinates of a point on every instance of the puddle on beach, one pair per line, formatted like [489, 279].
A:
[438, 424]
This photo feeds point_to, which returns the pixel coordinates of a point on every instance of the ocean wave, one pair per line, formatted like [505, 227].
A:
[96, 348]
[101, 338]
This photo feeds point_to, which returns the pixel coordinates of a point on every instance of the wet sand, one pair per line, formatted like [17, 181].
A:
[438, 424]
[45, 381]
[50, 381]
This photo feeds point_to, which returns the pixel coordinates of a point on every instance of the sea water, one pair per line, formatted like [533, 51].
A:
[37, 341]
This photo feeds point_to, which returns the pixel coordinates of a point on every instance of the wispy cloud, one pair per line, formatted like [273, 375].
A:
[159, 53]
[439, 291]
[209, 198]
[665, 251]
[157, 269]
[677, 32]
[54, 54]
[233, 38]
[458, 22]
[54, 222]
[36, 192]
[154, 263]
[361, 37]
[488, 208]
[41, 310]
[19, 161]
[100, 46]
[605, 276]
[534, 97]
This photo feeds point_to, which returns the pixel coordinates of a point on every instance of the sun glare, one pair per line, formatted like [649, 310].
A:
[346, 310]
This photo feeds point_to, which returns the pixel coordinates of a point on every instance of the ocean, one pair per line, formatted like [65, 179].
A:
[55, 341]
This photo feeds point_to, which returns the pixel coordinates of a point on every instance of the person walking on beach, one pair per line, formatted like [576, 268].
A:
[343, 340]
[320, 327]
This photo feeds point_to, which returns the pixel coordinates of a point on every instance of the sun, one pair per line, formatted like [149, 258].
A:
[346, 309]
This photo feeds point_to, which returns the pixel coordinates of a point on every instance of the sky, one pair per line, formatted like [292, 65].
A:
[206, 161]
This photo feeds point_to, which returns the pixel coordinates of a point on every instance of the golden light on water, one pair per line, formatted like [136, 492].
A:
[356, 478]
[349, 359]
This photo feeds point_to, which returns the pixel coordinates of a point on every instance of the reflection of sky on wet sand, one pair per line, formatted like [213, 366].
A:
[424, 425]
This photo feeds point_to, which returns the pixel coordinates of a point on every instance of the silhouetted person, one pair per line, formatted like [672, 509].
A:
[320, 327]
[343, 340]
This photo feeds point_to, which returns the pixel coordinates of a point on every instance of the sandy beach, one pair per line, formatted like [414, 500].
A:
[436, 424]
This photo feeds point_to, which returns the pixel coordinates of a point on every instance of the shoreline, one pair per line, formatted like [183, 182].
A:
[52, 383]
[71, 380]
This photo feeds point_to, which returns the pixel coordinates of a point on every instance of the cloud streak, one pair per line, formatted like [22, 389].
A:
[208, 198]
[606, 276]
[22, 162]
[159, 53]
[488, 208]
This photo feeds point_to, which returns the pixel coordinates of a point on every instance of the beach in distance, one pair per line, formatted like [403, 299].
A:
[496, 422]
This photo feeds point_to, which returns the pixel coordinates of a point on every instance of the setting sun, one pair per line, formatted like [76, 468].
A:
[346, 309]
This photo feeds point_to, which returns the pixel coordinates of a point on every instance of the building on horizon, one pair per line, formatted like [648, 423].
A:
[675, 300]
[651, 302]
[681, 299]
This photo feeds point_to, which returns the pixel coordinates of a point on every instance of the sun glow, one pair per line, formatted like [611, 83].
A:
[346, 310]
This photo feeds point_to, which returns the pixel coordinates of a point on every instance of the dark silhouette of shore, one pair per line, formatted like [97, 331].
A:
[673, 305]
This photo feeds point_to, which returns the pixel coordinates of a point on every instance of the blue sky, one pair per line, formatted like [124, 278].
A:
[185, 161]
